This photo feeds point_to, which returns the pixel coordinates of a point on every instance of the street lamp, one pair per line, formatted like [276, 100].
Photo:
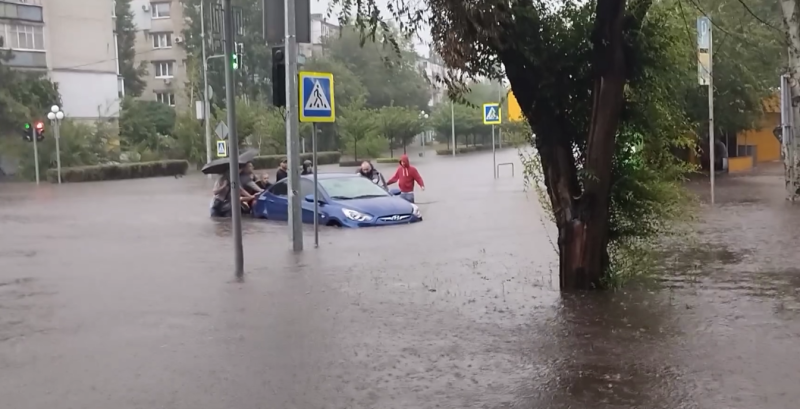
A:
[55, 116]
[424, 115]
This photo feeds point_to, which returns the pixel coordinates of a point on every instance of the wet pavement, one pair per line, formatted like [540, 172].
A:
[120, 295]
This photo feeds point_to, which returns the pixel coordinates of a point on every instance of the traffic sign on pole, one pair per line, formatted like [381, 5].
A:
[316, 97]
[222, 130]
[222, 149]
[491, 114]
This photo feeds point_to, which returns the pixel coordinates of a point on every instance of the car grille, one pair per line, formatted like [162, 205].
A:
[395, 218]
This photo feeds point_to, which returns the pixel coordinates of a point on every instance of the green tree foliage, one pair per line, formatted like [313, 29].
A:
[347, 86]
[132, 74]
[749, 56]
[390, 79]
[467, 119]
[145, 125]
[24, 97]
[399, 125]
[358, 129]
[252, 78]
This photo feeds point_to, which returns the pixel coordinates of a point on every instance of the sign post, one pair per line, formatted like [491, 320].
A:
[705, 77]
[316, 105]
[491, 116]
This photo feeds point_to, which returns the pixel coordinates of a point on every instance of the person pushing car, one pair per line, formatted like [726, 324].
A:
[406, 175]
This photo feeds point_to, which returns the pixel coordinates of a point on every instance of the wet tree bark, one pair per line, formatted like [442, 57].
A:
[581, 212]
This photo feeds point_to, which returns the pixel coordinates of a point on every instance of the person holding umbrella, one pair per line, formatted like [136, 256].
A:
[221, 204]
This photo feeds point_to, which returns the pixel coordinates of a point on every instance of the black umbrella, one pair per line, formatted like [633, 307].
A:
[222, 165]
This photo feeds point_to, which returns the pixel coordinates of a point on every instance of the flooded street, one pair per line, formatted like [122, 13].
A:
[121, 295]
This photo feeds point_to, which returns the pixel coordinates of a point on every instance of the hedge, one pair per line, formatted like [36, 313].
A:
[465, 149]
[387, 160]
[119, 171]
[272, 161]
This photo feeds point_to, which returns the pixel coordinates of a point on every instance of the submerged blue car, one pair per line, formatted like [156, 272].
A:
[345, 200]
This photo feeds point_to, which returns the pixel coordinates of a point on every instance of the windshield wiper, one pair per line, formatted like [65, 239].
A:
[367, 196]
[341, 197]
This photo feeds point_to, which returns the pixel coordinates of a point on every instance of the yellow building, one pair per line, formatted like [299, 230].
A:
[761, 142]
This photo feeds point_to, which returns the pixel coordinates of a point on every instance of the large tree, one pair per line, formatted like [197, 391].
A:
[579, 71]
[132, 74]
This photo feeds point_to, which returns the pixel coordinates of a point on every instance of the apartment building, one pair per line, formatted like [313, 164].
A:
[160, 26]
[320, 29]
[432, 67]
[72, 42]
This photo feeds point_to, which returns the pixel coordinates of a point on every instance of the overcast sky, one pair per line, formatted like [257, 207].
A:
[321, 6]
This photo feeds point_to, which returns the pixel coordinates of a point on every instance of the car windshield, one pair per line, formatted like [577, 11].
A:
[355, 187]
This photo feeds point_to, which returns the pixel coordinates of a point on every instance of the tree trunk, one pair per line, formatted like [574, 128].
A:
[791, 24]
[581, 212]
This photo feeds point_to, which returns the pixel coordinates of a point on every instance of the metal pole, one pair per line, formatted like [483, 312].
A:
[206, 108]
[494, 157]
[316, 188]
[233, 139]
[57, 124]
[292, 137]
[35, 153]
[453, 126]
[711, 143]
[500, 101]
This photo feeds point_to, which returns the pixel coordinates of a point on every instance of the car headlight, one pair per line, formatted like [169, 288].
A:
[357, 216]
[415, 210]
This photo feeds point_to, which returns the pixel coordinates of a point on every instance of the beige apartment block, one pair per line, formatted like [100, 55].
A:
[160, 25]
[72, 42]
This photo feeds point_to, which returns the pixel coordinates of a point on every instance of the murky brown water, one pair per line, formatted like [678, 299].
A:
[120, 295]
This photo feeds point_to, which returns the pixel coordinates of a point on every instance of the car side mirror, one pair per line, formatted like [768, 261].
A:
[394, 191]
[310, 199]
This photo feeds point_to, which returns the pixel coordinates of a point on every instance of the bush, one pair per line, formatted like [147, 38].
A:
[350, 163]
[119, 171]
[387, 160]
[272, 161]
[465, 149]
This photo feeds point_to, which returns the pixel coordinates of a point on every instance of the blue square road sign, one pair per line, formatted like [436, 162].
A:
[316, 97]
[491, 114]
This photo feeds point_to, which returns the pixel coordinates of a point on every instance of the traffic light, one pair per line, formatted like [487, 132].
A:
[236, 58]
[39, 131]
[27, 132]
[278, 77]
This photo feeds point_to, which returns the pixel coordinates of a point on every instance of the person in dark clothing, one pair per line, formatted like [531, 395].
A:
[307, 168]
[281, 173]
[368, 171]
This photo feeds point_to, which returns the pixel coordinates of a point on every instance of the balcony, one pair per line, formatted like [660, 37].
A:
[30, 11]
[26, 59]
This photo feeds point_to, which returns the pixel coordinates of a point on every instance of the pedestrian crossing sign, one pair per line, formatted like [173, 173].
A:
[316, 97]
[491, 114]
[222, 149]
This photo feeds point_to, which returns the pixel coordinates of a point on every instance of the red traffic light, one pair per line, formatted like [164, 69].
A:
[40, 125]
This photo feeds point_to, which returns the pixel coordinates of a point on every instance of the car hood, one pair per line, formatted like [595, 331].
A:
[378, 206]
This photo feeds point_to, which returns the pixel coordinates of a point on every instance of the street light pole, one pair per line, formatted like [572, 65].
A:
[206, 108]
[55, 116]
[292, 141]
[453, 126]
[233, 146]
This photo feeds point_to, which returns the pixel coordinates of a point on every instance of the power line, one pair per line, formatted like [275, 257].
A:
[105, 60]
[750, 11]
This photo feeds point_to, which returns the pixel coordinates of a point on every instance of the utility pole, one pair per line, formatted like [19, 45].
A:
[292, 122]
[233, 144]
[206, 107]
[453, 126]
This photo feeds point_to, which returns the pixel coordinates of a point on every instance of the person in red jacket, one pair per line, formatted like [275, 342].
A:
[406, 175]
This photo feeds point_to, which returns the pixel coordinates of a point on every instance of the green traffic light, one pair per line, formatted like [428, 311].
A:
[235, 61]
[27, 126]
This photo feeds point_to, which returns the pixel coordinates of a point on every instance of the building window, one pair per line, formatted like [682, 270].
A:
[22, 37]
[162, 40]
[160, 10]
[20, 12]
[163, 69]
[166, 98]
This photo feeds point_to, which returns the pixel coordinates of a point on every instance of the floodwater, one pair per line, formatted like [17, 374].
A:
[120, 295]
